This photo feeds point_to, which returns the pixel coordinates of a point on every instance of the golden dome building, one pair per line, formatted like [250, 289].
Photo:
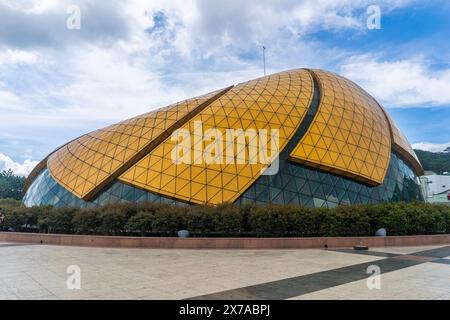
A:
[335, 144]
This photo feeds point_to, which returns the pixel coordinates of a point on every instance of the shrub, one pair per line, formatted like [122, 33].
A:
[15, 219]
[57, 220]
[114, 218]
[302, 221]
[445, 210]
[126, 209]
[270, 221]
[168, 219]
[349, 221]
[142, 222]
[426, 219]
[390, 216]
[10, 203]
[86, 221]
[225, 219]
[231, 220]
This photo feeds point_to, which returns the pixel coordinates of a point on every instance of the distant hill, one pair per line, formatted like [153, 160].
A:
[438, 162]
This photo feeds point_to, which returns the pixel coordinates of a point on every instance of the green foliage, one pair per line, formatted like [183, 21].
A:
[57, 220]
[349, 221]
[142, 222]
[224, 219]
[10, 203]
[168, 220]
[228, 220]
[87, 221]
[438, 162]
[11, 185]
[113, 218]
[14, 219]
[276, 221]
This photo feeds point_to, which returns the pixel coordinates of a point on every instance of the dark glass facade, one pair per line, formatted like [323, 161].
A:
[46, 191]
[294, 184]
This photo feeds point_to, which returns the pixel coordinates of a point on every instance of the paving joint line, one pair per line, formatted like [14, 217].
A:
[304, 284]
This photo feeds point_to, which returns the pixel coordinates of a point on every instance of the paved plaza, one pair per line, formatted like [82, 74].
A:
[40, 272]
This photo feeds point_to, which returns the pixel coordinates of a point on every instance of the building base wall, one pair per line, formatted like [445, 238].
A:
[221, 243]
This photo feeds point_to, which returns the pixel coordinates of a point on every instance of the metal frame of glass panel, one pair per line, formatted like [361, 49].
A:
[130, 161]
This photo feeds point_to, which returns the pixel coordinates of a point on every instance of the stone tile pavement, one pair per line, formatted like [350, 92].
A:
[40, 272]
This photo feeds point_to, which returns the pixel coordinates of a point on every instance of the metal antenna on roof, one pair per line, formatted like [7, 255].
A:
[264, 59]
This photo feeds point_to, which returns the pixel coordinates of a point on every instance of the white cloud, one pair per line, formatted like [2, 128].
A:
[8, 99]
[14, 56]
[217, 29]
[124, 61]
[433, 147]
[30, 7]
[35, 24]
[21, 169]
[401, 83]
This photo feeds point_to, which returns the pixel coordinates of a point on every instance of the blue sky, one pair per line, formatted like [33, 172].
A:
[130, 57]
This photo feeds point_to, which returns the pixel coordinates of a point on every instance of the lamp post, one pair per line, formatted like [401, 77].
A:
[264, 59]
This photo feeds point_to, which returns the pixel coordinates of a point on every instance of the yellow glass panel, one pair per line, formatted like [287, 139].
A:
[349, 134]
[88, 163]
[279, 101]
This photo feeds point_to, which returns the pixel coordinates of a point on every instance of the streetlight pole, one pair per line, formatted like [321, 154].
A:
[264, 59]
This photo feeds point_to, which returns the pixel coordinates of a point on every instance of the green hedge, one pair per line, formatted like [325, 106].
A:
[229, 220]
[10, 203]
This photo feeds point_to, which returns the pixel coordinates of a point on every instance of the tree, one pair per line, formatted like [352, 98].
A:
[438, 162]
[11, 185]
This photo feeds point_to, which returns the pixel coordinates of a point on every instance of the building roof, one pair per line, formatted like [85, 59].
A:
[343, 131]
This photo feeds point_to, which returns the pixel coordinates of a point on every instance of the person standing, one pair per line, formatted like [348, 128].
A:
[2, 216]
